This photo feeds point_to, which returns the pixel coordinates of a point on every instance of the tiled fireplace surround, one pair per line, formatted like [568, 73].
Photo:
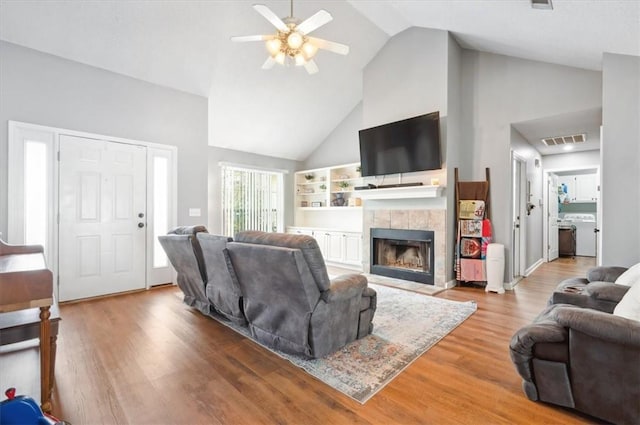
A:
[416, 219]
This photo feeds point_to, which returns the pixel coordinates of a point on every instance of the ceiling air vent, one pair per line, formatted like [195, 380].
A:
[541, 4]
[564, 140]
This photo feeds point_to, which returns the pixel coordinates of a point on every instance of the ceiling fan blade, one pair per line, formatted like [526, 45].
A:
[252, 38]
[311, 66]
[314, 22]
[270, 16]
[268, 64]
[332, 46]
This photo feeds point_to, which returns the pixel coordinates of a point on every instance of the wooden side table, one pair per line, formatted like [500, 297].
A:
[24, 325]
[26, 283]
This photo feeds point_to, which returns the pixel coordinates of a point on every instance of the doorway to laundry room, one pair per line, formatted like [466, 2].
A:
[576, 227]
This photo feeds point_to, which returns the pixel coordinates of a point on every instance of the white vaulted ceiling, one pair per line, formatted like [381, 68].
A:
[184, 44]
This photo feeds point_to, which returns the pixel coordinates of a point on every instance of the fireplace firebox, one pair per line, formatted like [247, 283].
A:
[403, 254]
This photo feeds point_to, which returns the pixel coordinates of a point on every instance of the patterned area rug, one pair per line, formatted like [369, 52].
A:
[405, 326]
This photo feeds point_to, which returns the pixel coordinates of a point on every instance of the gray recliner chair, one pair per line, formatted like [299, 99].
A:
[582, 356]
[184, 253]
[222, 292]
[289, 301]
[203, 276]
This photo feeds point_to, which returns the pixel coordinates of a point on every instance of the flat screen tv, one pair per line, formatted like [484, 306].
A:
[403, 146]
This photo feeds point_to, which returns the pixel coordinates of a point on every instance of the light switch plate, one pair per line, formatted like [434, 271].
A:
[194, 212]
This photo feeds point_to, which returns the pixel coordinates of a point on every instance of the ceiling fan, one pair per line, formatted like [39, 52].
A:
[291, 44]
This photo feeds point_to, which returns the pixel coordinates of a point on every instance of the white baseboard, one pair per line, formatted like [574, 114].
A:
[533, 267]
[450, 284]
[511, 285]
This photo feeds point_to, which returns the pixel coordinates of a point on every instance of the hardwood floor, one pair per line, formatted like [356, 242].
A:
[146, 358]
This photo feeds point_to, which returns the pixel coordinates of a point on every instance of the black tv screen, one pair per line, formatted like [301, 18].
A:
[403, 146]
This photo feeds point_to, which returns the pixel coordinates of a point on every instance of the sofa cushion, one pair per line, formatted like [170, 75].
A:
[306, 244]
[629, 305]
[192, 231]
[630, 277]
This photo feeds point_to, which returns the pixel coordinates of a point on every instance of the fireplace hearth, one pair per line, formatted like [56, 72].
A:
[403, 254]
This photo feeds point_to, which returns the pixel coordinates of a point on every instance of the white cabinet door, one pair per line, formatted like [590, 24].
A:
[323, 241]
[353, 248]
[336, 247]
[299, 231]
[586, 188]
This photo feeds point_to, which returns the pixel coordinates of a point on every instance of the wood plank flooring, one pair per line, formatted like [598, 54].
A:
[146, 358]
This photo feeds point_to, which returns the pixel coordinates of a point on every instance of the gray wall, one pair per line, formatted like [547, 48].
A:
[620, 158]
[217, 155]
[500, 90]
[43, 89]
[571, 161]
[342, 146]
[408, 77]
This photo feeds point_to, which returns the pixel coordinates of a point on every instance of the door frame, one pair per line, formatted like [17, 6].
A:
[545, 215]
[15, 184]
[545, 218]
[520, 205]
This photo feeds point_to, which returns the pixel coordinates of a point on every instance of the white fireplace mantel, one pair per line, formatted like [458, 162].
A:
[406, 192]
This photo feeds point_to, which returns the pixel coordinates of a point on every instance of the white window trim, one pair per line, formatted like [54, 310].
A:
[275, 171]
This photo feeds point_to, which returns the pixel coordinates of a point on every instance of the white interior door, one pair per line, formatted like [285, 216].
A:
[519, 204]
[102, 210]
[552, 214]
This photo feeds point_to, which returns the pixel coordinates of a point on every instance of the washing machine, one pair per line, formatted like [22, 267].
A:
[585, 225]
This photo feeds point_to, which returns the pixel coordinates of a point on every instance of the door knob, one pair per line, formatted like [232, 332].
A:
[141, 225]
[140, 215]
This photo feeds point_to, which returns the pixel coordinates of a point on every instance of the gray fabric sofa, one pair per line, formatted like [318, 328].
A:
[198, 257]
[184, 253]
[597, 290]
[221, 290]
[583, 358]
[289, 301]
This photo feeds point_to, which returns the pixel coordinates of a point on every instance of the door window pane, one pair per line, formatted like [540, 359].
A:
[160, 208]
[35, 193]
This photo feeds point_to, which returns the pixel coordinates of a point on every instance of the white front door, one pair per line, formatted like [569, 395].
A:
[552, 214]
[102, 217]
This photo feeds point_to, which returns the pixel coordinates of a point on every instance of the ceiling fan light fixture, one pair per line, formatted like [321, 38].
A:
[300, 60]
[280, 57]
[273, 46]
[309, 50]
[291, 44]
[294, 40]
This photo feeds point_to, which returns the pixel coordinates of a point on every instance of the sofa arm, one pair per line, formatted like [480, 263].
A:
[604, 326]
[605, 274]
[544, 329]
[345, 287]
[606, 291]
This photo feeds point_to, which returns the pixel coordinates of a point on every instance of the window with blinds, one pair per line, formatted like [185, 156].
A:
[252, 200]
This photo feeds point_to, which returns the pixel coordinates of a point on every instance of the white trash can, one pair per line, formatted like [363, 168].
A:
[495, 268]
